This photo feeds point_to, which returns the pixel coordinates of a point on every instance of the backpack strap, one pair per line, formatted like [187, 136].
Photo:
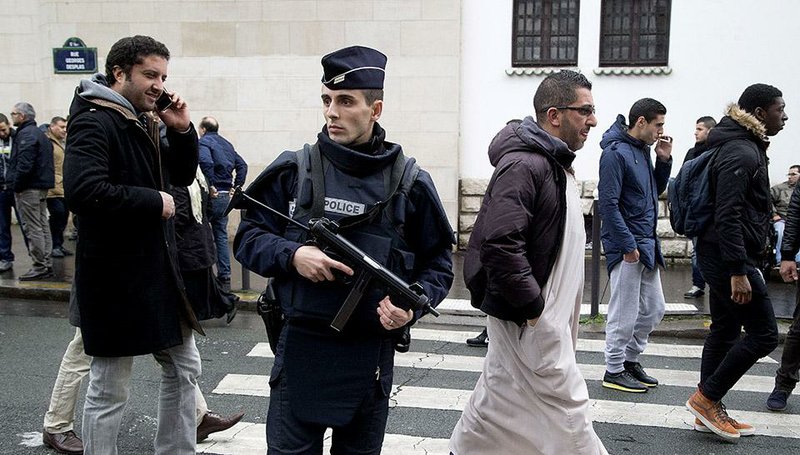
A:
[310, 195]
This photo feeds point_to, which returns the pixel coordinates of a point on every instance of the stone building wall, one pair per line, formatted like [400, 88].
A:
[676, 248]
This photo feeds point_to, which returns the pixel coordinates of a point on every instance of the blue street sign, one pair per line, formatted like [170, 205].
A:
[74, 57]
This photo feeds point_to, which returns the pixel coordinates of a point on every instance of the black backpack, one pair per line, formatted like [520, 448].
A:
[691, 196]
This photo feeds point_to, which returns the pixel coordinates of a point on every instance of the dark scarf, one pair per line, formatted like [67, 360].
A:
[359, 160]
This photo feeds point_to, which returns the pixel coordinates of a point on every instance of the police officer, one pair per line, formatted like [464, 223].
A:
[322, 378]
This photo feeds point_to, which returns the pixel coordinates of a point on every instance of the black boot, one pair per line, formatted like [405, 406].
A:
[480, 340]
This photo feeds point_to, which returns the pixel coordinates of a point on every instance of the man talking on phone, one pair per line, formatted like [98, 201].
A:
[131, 300]
[629, 187]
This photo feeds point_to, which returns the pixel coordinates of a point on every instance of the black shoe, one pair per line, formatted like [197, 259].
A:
[57, 253]
[480, 340]
[225, 282]
[777, 400]
[623, 381]
[34, 274]
[694, 293]
[636, 370]
[232, 311]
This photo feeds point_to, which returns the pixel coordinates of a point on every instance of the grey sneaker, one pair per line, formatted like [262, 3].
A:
[5, 266]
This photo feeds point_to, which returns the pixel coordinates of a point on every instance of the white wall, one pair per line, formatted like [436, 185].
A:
[255, 65]
[717, 48]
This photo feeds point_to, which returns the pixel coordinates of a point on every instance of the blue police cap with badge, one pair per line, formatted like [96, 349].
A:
[355, 67]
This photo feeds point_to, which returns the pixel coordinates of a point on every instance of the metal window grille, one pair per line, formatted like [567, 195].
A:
[545, 33]
[634, 32]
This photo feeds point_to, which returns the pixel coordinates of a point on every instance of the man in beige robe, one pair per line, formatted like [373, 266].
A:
[524, 269]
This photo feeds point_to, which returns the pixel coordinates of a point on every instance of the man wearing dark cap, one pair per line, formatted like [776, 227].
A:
[323, 378]
[729, 252]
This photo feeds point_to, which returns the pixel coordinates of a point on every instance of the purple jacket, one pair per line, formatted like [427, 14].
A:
[519, 229]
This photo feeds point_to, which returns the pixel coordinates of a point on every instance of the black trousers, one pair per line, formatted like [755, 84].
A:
[58, 220]
[787, 375]
[362, 436]
[727, 355]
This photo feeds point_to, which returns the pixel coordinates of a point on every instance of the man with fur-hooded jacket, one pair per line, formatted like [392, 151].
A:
[729, 252]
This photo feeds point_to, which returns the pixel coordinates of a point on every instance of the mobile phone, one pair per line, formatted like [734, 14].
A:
[164, 101]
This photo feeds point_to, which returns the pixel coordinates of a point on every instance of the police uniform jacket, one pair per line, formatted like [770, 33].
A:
[327, 372]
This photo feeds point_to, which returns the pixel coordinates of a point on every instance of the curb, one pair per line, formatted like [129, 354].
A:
[59, 292]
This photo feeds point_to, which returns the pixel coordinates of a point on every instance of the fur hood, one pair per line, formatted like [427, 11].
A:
[738, 124]
[747, 120]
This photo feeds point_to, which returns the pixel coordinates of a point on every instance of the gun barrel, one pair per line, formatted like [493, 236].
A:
[396, 286]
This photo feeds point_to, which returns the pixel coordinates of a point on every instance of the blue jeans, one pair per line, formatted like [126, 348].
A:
[6, 204]
[727, 355]
[58, 220]
[109, 388]
[219, 223]
[779, 226]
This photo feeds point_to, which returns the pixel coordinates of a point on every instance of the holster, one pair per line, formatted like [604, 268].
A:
[270, 311]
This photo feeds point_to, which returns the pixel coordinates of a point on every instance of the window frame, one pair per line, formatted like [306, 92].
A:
[545, 34]
[634, 33]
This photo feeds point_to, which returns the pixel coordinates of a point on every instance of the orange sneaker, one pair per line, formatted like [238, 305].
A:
[744, 429]
[713, 416]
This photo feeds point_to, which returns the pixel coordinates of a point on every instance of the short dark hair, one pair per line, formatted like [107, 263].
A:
[57, 119]
[131, 51]
[647, 108]
[758, 95]
[794, 166]
[372, 94]
[558, 89]
[707, 120]
[4, 119]
[209, 124]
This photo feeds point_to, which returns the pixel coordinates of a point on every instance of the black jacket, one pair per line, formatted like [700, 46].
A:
[519, 229]
[129, 291]
[698, 149]
[196, 250]
[31, 163]
[740, 182]
[791, 232]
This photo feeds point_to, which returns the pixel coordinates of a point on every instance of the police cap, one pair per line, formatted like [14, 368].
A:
[355, 67]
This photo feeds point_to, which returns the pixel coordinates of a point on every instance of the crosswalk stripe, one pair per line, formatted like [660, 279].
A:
[683, 351]
[656, 349]
[678, 378]
[464, 307]
[246, 438]
[606, 411]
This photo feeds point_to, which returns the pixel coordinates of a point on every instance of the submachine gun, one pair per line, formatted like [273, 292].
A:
[325, 236]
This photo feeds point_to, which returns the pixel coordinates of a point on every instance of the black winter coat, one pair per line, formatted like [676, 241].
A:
[128, 287]
[740, 181]
[519, 229]
[31, 164]
[196, 249]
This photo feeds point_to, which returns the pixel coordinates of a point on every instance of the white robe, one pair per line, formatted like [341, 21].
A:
[531, 398]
